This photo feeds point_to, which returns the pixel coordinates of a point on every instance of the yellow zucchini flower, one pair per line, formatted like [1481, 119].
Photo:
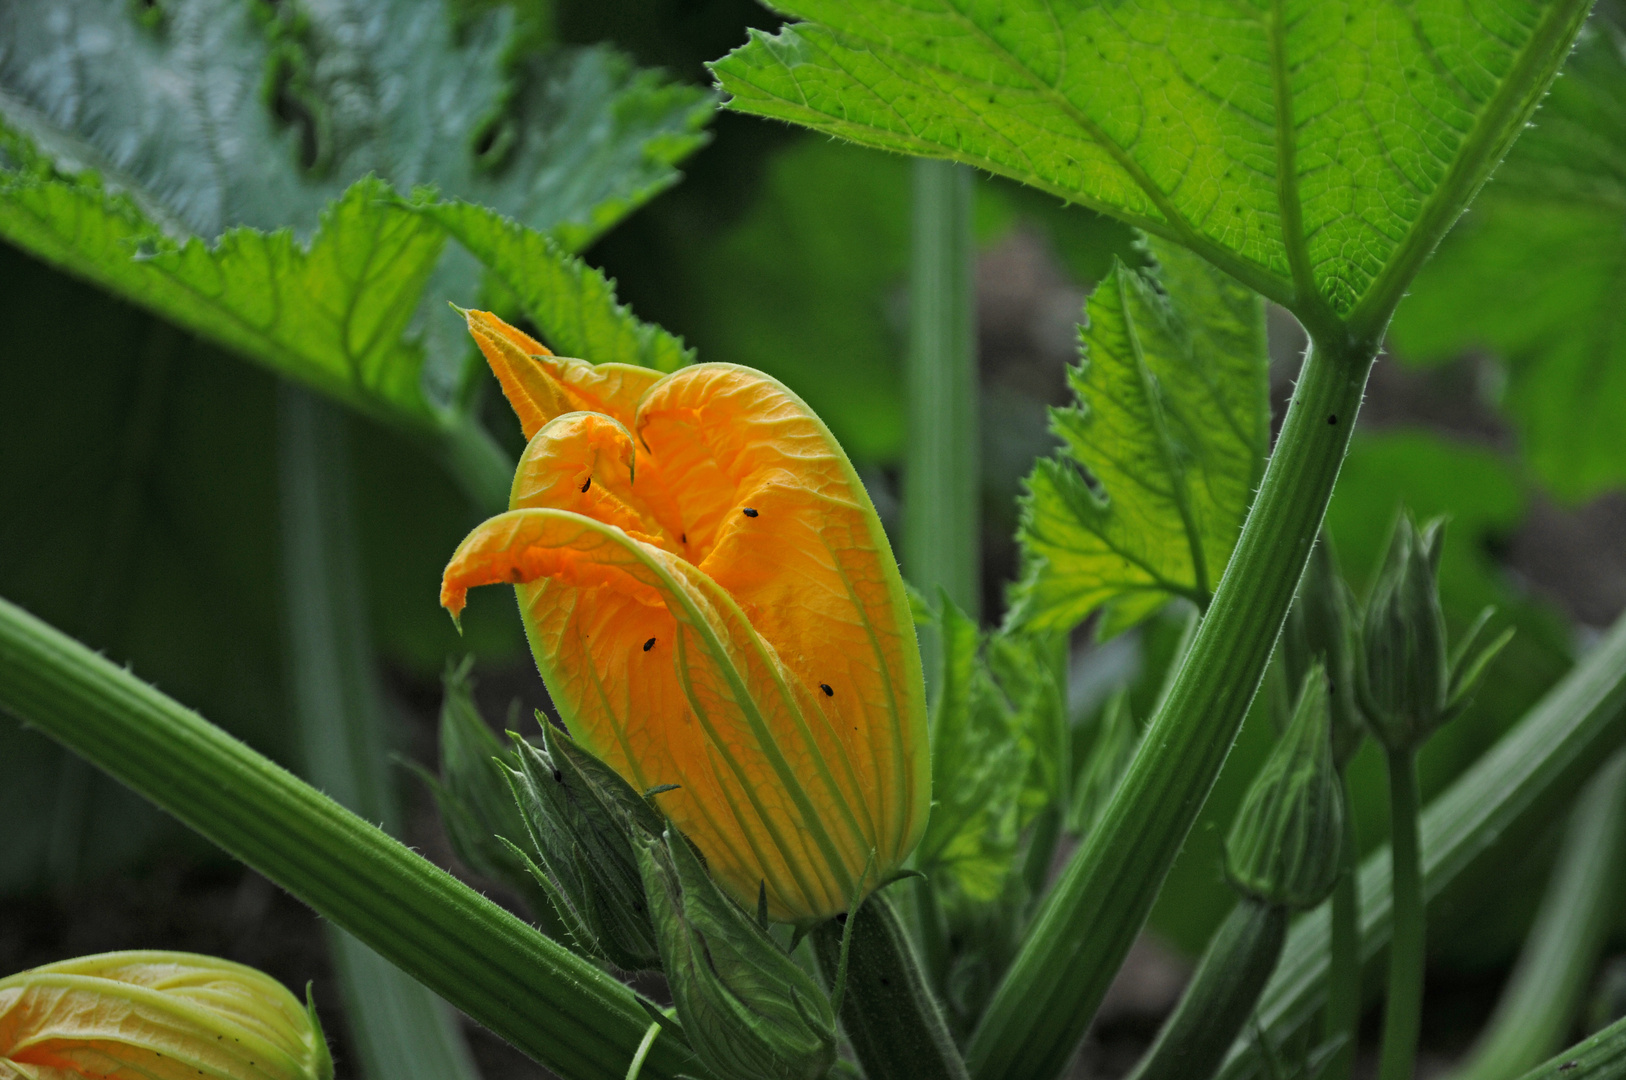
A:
[713, 604]
[156, 1016]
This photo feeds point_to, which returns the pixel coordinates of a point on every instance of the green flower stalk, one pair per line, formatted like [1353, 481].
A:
[156, 1016]
[1410, 686]
[1283, 854]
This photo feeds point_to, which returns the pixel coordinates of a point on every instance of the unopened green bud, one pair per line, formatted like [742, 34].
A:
[476, 805]
[748, 1010]
[1408, 684]
[1321, 628]
[582, 819]
[1285, 843]
[1405, 671]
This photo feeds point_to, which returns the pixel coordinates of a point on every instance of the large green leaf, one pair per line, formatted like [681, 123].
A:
[1315, 150]
[571, 302]
[1536, 274]
[1172, 426]
[152, 155]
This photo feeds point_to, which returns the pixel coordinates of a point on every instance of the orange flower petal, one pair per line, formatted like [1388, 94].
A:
[779, 520]
[541, 386]
[656, 670]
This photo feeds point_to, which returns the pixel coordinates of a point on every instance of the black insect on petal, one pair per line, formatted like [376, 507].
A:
[684, 538]
[587, 484]
[650, 644]
[750, 512]
[826, 688]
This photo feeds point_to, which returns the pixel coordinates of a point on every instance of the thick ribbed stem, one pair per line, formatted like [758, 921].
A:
[1538, 1006]
[1086, 925]
[401, 1030]
[553, 1005]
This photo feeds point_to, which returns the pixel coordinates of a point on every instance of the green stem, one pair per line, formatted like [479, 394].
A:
[1221, 995]
[556, 1007]
[401, 1030]
[889, 1013]
[1469, 831]
[1342, 1019]
[481, 468]
[1403, 1011]
[1539, 1004]
[1086, 925]
[940, 509]
[1602, 1057]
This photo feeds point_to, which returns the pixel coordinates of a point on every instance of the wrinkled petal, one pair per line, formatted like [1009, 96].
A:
[541, 386]
[584, 462]
[146, 1015]
[657, 670]
[812, 570]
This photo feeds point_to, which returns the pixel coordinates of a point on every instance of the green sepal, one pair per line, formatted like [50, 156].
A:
[748, 1010]
[472, 793]
[1286, 842]
[1321, 627]
[580, 818]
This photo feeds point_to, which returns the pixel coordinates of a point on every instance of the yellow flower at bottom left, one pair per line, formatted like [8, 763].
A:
[156, 1016]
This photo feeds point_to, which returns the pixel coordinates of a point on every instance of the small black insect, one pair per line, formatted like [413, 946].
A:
[826, 688]
[1568, 1065]
[587, 484]
[684, 538]
[650, 644]
[750, 512]
[1332, 419]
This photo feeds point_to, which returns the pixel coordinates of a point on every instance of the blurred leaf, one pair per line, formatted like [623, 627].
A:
[1272, 145]
[799, 287]
[1163, 450]
[1536, 275]
[139, 514]
[979, 762]
[144, 157]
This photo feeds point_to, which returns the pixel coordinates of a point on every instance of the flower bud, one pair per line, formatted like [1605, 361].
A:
[1322, 628]
[581, 817]
[1285, 843]
[156, 1016]
[1408, 684]
[476, 804]
[748, 1010]
[1405, 673]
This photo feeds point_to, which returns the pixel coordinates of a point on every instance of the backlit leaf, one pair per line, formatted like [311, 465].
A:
[1315, 150]
[1537, 273]
[1162, 452]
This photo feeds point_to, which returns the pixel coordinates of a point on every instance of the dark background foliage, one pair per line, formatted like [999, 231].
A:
[138, 507]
